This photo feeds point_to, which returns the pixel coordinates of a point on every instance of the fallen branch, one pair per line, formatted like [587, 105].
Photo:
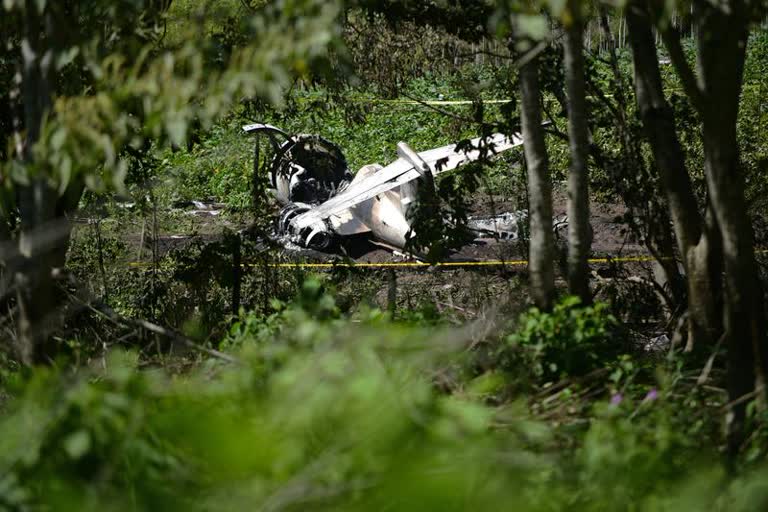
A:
[457, 308]
[111, 315]
[178, 337]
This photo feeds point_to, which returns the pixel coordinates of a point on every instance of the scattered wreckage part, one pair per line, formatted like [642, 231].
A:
[506, 226]
[191, 207]
[560, 223]
[509, 225]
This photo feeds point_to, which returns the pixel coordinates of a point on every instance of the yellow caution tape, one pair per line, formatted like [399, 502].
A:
[411, 264]
[423, 264]
[427, 102]
[489, 263]
[470, 102]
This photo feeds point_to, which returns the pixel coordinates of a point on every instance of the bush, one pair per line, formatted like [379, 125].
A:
[571, 340]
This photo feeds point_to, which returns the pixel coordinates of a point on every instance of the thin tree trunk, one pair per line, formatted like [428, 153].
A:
[579, 232]
[237, 274]
[38, 239]
[541, 258]
[702, 264]
[658, 238]
[391, 292]
[7, 256]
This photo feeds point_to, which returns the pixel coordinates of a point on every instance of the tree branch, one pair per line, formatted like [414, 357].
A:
[671, 37]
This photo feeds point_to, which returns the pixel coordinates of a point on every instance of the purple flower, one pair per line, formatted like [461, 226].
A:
[616, 399]
[652, 395]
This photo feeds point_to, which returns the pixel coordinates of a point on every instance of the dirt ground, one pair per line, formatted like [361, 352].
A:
[610, 236]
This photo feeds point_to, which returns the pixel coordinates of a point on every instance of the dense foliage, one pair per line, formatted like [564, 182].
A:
[177, 378]
[321, 412]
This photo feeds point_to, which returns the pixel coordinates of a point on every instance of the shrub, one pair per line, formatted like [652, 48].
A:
[571, 340]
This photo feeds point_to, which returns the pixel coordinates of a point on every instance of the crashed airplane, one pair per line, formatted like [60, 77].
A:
[322, 200]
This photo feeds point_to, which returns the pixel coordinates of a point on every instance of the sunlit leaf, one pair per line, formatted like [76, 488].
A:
[77, 444]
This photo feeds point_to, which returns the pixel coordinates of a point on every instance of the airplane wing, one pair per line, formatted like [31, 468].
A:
[399, 172]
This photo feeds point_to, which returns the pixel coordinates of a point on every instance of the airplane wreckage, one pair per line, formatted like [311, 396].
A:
[323, 201]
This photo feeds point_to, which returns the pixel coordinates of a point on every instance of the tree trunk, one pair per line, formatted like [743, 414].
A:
[42, 242]
[579, 232]
[701, 263]
[722, 52]
[659, 238]
[541, 258]
[704, 264]
[715, 93]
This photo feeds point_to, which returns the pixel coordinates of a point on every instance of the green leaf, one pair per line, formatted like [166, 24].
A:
[77, 444]
[533, 25]
[556, 7]
[176, 128]
[66, 57]
[58, 138]
[65, 173]
[10, 4]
